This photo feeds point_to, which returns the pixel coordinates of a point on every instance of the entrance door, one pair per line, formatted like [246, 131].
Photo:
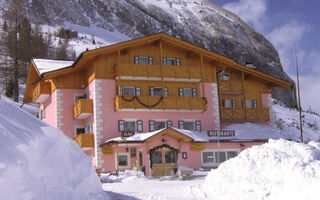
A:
[163, 162]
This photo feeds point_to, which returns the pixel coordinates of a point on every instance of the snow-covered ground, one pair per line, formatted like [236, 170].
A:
[279, 169]
[38, 161]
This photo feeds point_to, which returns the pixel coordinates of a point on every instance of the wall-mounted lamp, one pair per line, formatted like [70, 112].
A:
[242, 145]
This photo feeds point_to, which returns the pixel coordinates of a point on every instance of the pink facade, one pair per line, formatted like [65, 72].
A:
[104, 123]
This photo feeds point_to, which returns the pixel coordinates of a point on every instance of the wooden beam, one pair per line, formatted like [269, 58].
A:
[125, 51]
[202, 83]
[244, 95]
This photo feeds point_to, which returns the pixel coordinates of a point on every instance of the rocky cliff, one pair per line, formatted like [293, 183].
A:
[200, 22]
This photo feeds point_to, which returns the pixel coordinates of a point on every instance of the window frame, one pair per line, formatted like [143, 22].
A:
[233, 103]
[196, 124]
[174, 61]
[78, 96]
[138, 125]
[168, 124]
[128, 160]
[138, 60]
[223, 75]
[214, 151]
[182, 92]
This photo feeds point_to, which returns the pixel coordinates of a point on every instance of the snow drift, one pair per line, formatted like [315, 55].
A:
[38, 162]
[279, 169]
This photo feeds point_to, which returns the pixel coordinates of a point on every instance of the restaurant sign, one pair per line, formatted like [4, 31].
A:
[221, 133]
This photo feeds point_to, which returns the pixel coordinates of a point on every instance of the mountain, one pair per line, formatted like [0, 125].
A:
[200, 22]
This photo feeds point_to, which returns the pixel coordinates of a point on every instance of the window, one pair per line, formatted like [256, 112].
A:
[143, 60]
[207, 157]
[42, 113]
[213, 158]
[224, 76]
[123, 160]
[250, 103]
[131, 126]
[187, 92]
[157, 91]
[190, 125]
[171, 61]
[229, 103]
[130, 91]
[157, 125]
[79, 96]
[156, 157]
[170, 157]
[83, 130]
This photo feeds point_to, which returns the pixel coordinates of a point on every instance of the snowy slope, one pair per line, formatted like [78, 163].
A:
[279, 169]
[287, 119]
[38, 162]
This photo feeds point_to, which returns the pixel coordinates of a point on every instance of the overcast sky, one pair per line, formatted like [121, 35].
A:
[285, 23]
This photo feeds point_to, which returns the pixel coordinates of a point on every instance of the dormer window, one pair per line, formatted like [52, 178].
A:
[143, 60]
[224, 77]
[171, 61]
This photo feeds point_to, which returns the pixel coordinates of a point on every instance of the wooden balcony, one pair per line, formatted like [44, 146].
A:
[251, 114]
[128, 71]
[82, 109]
[154, 103]
[85, 141]
[41, 92]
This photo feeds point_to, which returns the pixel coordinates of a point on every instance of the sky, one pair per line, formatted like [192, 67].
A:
[286, 23]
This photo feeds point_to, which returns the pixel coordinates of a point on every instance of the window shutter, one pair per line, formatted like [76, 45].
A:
[164, 61]
[151, 91]
[180, 92]
[178, 62]
[180, 122]
[166, 91]
[136, 59]
[233, 102]
[151, 125]
[118, 90]
[198, 125]
[194, 92]
[138, 91]
[169, 124]
[254, 103]
[121, 125]
[223, 102]
[139, 126]
[150, 60]
[243, 104]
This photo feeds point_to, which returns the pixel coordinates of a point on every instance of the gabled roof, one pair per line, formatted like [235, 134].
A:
[247, 132]
[62, 66]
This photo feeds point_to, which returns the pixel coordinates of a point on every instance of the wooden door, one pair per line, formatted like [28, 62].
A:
[163, 162]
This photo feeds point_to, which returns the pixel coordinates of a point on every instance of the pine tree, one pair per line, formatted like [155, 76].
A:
[14, 14]
[5, 26]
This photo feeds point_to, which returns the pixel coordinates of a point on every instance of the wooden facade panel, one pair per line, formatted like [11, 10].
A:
[149, 50]
[104, 66]
[172, 86]
[74, 80]
[152, 102]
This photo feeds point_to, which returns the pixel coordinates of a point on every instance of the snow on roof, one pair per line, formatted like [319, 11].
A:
[243, 132]
[46, 65]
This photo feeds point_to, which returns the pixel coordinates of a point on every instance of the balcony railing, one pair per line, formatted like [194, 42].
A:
[155, 71]
[41, 92]
[155, 102]
[85, 141]
[82, 109]
[230, 114]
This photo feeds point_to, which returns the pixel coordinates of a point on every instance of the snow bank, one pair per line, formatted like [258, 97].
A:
[279, 169]
[38, 162]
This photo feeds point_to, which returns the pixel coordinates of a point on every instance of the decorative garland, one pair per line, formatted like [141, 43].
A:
[145, 105]
[205, 100]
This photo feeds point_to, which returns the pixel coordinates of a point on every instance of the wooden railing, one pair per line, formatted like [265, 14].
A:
[155, 71]
[229, 114]
[82, 107]
[42, 88]
[154, 102]
[85, 140]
